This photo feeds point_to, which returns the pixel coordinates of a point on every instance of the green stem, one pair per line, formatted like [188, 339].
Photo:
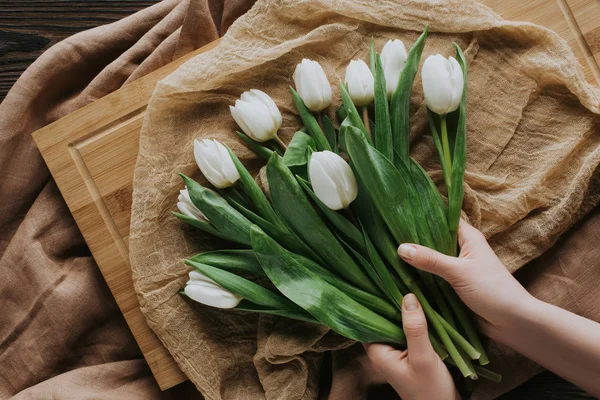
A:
[437, 346]
[438, 297]
[460, 340]
[432, 316]
[487, 374]
[464, 320]
[280, 143]
[446, 149]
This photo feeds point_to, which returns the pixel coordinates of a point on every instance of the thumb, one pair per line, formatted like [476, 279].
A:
[414, 324]
[431, 261]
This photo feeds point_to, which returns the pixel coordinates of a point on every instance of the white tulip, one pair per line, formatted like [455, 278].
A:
[257, 114]
[332, 179]
[216, 164]
[204, 290]
[312, 85]
[442, 83]
[393, 58]
[187, 208]
[360, 82]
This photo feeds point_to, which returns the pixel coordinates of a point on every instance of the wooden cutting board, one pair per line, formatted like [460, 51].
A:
[91, 154]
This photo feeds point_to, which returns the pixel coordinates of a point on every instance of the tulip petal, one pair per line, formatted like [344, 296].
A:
[237, 116]
[437, 86]
[204, 155]
[227, 167]
[323, 185]
[258, 120]
[360, 82]
[204, 290]
[393, 58]
[457, 79]
[271, 106]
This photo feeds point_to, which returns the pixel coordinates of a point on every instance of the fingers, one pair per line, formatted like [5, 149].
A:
[420, 351]
[430, 260]
[385, 359]
[468, 233]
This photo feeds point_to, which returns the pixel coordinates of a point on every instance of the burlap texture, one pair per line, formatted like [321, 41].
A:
[533, 150]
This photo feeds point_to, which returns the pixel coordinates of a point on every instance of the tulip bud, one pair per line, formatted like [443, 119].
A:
[187, 208]
[442, 83]
[216, 164]
[393, 58]
[332, 179]
[257, 114]
[204, 290]
[312, 85]
[360, 82]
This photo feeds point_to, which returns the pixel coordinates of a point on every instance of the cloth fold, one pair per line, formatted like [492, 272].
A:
[61, 333]
[533, 156]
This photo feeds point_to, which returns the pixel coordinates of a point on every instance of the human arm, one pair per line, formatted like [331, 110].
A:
[565, 343]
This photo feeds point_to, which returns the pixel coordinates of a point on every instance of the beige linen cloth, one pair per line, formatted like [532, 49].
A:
[533, 153]
[61, 333]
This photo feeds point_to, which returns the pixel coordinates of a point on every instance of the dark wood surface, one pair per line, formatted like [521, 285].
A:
[29, 27]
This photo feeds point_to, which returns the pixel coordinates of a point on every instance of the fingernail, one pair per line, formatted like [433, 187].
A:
[410, 302]
[407, 251]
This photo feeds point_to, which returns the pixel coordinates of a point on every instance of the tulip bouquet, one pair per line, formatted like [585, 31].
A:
[322, 246]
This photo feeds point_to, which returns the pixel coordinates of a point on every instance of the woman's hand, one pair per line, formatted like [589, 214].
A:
[565, 343]
[477, 275]
[418, 372]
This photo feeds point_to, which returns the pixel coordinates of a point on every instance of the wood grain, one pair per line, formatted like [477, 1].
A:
[29, 27]
[91, 154]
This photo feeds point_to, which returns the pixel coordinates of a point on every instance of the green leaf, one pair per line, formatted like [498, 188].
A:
[341, 113]
[374, 303]
[235, 261]
[280, 232]
[229, 222]
[310, 122]
[325, 302]
[330, 133]
[431, 222]
[388, 189]
[385, 172]
[291, 204]
[298, 151]
[382, 279]
[433, 123]
[341, 224]
[456, 191]
[297, 314]
[277, 146]
[352, 112]
[243, 287]
[255, 146]
[254, 192]
[400, 105]
[372, 222]
[386, 281]
[383, 128]
[434, 208]
[372, 56]
[202, 225]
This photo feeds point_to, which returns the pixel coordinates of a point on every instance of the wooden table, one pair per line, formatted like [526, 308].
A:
[28, 28]
[574, 20]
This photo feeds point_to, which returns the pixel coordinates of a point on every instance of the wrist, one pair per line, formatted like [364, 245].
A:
[521, 313]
